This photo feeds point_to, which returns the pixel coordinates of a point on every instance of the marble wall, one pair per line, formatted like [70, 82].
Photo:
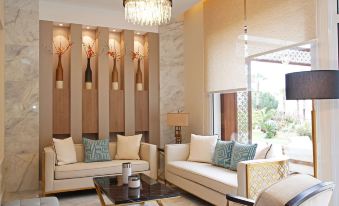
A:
[22, 95]
[171, 76]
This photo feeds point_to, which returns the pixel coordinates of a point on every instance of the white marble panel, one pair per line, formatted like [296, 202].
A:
[23, 61]
[171, 76]
[21, 95]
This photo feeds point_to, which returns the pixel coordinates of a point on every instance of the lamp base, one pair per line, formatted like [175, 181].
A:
[178, 138]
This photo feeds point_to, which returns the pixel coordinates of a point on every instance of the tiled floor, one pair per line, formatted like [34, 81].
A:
[89, 198]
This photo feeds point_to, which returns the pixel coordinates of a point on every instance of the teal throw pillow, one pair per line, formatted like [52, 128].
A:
[96, 150]
[223, 153]
[242, 152]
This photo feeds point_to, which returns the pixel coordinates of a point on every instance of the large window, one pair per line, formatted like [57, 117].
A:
[263, 115]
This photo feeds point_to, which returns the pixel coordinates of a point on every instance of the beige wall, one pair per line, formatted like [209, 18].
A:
[196, 98]
[2, 47]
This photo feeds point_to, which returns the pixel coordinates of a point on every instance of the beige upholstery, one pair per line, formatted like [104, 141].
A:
[216, 178]
[82, 169]
[80, 175]
[46, 201]
[204, 180]
[279, 195]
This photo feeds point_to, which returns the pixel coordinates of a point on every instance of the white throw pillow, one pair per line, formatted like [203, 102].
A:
[262, 151]
[128, 147]
[268, 151]
[202, 148]
[275, 152]
[65, 151]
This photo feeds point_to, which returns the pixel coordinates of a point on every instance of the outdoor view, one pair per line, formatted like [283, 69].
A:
[276, 120]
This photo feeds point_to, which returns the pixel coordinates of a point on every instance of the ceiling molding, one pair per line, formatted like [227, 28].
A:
[105, 13]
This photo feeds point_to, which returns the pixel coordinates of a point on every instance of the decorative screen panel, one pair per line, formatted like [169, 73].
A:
[243, 119]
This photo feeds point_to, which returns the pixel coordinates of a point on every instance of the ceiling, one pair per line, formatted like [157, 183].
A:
[108, 13]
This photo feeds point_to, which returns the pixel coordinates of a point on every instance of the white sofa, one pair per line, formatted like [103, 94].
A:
[212, 183]
[79, 176]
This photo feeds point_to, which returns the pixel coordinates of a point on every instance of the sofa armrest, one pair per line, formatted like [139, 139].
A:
[176, 152]
[48, 169]
[148, 152]
[256, 175]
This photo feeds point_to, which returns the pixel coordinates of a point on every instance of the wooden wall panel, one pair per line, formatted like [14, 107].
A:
[153, 80]
[90, 111]
[228, 115]
[127, 45]
[46, 86]
[141, 111]
[76, 83]
[116, 112]
[61, 111]
[103, 82]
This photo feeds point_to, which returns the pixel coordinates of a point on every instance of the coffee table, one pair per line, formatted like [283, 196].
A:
[120, 194]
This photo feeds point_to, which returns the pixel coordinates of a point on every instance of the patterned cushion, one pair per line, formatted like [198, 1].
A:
[96, 150]
[242, 152]
[223, 153]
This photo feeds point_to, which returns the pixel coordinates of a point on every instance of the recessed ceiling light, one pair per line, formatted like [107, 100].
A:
[61, 25]
[114, 30]
[138, 33]
[87, 27]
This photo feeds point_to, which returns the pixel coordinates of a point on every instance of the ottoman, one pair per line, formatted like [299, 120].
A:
[45, 201]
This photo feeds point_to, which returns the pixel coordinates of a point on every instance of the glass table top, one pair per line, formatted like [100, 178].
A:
[119, 193]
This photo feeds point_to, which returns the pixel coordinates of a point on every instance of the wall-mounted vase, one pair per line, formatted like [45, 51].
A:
[115, 76]
[88, 75]
[139, 84]
[59, 75]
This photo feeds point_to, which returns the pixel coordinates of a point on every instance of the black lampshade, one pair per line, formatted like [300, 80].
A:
[318, 84]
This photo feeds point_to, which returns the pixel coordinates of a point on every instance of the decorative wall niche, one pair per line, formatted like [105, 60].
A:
[141, 92]
[61, 81]
[116, 84]
[90, 92]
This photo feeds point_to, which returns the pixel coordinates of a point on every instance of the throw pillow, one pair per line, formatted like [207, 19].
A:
[202, 148]
[262, 151]
[96, 150]
[128, 147]
[242, 152]
[65, 151]
[223, 154]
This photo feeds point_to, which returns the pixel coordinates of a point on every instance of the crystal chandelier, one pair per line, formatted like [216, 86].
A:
[148, 12]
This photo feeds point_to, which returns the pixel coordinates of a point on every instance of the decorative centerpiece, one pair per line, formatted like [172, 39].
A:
[139, 57]
[59, 75]
[115, 74]
[126, 172]
[88, 48]
[134, 182]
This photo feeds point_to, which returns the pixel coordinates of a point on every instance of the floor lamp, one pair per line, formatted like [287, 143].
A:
[313, 85]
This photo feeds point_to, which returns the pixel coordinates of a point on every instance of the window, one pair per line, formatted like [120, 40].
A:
[262, 115]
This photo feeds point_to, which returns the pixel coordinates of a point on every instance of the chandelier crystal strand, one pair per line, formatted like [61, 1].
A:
[148, 12]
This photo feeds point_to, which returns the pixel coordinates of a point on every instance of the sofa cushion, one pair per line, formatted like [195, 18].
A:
[223, 154]
[65, 151]
[213, 177]
[82, 169]
[96, 150]
[202, 143]
[128, 147]
[242, 152]
[45, 201]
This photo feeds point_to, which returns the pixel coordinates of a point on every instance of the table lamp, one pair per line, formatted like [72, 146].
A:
[178, 120]
[312, 85]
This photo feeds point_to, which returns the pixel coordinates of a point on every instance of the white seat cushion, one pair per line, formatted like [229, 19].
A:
[82, 169]
[216, 178]
[45, 201]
